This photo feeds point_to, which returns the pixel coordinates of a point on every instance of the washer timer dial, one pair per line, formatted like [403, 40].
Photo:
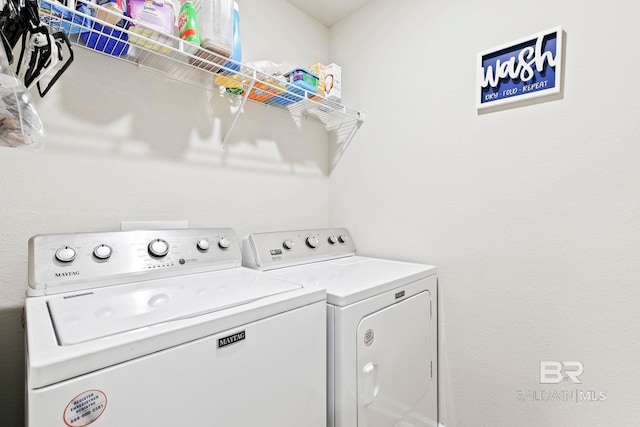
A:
[158, 248]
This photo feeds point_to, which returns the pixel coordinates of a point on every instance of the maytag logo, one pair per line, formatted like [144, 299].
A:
[231, 339]
[68, 274]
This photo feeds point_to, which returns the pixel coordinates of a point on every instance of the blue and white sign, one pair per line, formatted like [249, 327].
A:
[523, 69]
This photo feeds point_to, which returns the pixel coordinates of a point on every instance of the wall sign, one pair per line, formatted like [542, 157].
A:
[526, 68]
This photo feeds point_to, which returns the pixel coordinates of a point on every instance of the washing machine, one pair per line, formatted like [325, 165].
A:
[381, 325]
[165, 328]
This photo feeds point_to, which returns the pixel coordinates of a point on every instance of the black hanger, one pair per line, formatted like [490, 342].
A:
[39, 57]
[58, 37]
[16, 18]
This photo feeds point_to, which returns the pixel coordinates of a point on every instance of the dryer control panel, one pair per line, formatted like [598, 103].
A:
[69, 262]
[267, 251]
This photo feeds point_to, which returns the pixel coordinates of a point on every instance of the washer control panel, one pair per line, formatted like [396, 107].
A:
[266, 251]
[66, 262]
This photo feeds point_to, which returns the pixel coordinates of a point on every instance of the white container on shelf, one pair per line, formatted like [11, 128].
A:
[333, 82]
[215, 25]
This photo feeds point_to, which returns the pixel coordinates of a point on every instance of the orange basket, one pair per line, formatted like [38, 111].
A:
[265, 88]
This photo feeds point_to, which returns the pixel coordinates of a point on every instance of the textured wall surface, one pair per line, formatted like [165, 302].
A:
[532, 214]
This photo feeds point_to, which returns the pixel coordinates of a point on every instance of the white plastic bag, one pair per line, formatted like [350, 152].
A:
[20, 123]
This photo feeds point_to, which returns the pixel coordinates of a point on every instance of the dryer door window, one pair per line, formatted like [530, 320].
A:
[394, 362]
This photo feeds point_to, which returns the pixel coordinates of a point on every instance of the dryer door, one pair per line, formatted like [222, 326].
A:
[394, 363]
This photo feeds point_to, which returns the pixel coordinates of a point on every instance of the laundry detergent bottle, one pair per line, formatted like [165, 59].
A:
[187, 25]
[237, 47]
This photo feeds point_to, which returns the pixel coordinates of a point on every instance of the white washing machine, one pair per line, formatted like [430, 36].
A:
[381, 323]
[166, 328]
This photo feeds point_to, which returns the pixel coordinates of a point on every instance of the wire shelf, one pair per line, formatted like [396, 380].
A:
[102, 30]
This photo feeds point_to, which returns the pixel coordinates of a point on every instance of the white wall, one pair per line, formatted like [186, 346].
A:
[531, 214]
[126, 144]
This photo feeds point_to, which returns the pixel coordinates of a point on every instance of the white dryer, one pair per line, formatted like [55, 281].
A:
[381, 324]
[166, 328]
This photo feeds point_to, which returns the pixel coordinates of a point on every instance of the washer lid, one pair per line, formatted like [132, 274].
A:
[90, 315]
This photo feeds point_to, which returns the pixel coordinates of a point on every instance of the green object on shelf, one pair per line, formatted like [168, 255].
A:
[187, 25]
[235, 90]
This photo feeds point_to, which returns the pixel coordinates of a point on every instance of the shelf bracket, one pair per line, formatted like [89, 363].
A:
[343, 145]
[247, 91]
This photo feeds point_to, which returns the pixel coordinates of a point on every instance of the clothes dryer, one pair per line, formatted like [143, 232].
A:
[381, 325]
[165, 328]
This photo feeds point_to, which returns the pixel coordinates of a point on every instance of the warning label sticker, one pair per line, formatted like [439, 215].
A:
[85, 408]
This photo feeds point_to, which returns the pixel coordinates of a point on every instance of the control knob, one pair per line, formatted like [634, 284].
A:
[65, 254]
[203, 244]
[224, 243]
[313, 242]
[343, 238]
[288, 244]
[333, 240]
[102, 252]
[158, 248]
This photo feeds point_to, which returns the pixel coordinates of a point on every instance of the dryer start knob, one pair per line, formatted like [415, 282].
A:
[313, 242]
[158, 248]
[66, 254]
[343, 238]
[224, 243]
